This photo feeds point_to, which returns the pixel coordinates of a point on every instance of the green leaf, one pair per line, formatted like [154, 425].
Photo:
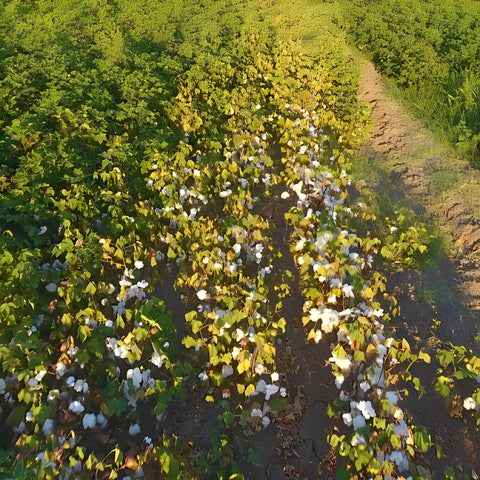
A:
[422, 439]
[277, 404]
[343, 474]
[189, 342]
[254, 457]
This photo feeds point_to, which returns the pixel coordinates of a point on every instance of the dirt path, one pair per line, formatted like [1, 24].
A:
[410, 155]
[415, 162]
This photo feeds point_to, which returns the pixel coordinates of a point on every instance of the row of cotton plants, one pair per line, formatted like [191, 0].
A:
[110, 345]
[339, 287]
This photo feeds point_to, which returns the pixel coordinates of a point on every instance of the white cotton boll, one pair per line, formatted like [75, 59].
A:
[76, 407]
[142, 284]
[48, 427]
[367, 409]
[348, 291]
[265, 421]
[365, 386]
[339, 379]
[42, 230]
[89, 420]
[275, 377]
[156, 359]
[343, 363]
[237, 248]
[283, 392]
[271, 390]
[134, 429]
[78, 387]
[347, 419]
[203, 376]
[101, 420]
[32, 382]
[3, 386]
[358, 422]
[332, 299]
[51, 287]
[227, 370]
[259, 368]
[261, 387]
[469, 403]
[225, 193]
[52, 395]
[70, 382]
[256, 412]
[136, 376]
[202, 294]
[285, 195]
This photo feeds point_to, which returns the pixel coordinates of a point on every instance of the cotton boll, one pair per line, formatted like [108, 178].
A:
[52, 395]
[469, 403]
[89, 420]
[256, 412]
[261, 387]
[101, 420]
[156, 359]
[227, 370]
[76, 407]
[48, 427]
[202, 294]
[78, 387]
[358, 422]
[347, 419]
[271, 390]
[32, 382]
[134, 429]
[136, 376]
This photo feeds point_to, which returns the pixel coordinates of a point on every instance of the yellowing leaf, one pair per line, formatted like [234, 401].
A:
[243, 366]
[250, 389]
[367, 293]
[209, 398]
[424, 356]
